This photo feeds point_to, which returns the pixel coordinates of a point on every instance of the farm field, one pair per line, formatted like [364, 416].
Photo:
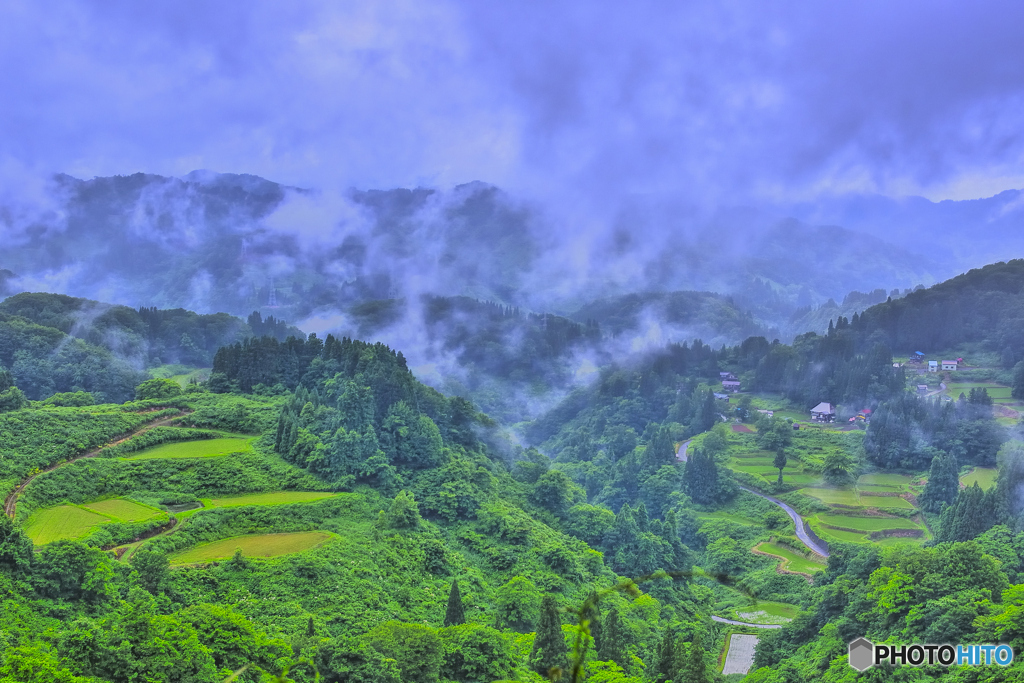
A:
[999, 392]
[791, 560]
[258, 545]
[205, 448]
[730, 516]
[123, 510]
[64, 522]
[765, 612]
[272, 498]
[984, 476]
[867, 524]
[853, 498]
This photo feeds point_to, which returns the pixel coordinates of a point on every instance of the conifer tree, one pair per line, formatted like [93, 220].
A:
[454, 614]
[943, 483]
[693, 669]
[667, 663]
[613, 645]
[549, 655]
[594, 615]
[780, 462]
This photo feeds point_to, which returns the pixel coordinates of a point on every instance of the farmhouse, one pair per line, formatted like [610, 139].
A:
[949, 365]
[726, 375]
[731, 384]
[722, 397]
[933, 366]
[769, 413]
[917, 357]
[823, 412]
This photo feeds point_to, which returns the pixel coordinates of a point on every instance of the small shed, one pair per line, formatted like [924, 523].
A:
[769, 413]
[922, 388]
[731, 385]
[949, 365]
[823, 412]
[933, 366]
[722, 397]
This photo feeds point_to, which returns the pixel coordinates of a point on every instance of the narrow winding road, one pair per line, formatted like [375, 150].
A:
[681, 451]
[798, 521]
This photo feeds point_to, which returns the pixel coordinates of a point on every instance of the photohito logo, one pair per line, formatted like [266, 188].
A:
[864, 654]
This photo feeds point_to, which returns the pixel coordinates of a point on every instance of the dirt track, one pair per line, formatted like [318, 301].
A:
[11, 504]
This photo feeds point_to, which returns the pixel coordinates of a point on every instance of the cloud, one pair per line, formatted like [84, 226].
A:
[585, 102]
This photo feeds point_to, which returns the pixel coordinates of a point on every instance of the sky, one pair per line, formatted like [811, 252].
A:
[592, 102]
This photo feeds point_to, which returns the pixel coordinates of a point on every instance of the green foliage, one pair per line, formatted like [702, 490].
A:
[473, 652]
[518, 604]
[416, 648]
[157, 389]
[549, 656]
[943, 484]
[75, 399]
[454, 615]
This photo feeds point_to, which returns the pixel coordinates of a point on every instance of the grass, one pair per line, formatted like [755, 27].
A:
[259, 545]
[900, 481]
[999, 393]
[64, 522]
[123, 510]
[732, 517]
[765, 612]
[836, 535]
[855, 499]
[867, 523]
[791, 560]
[984, 476]
[205, 448]
[273, 498]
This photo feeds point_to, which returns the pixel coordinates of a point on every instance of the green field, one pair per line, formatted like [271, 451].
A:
[853, 498]
[61, 523]
[791, 560]
[985, 476]
[836, 535]
[998, 392]
[732, 517]
[273, 498]
[764, 612]
[206, 448]
[867, 524]
[900, 481]
[123, 510]
[260, 545]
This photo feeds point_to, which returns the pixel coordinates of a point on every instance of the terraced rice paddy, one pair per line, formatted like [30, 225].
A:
[853, 498]
[764, 612]
[205, 448]
[258, 545]
[273, 498]
[123, 510]
[984, 476]
[867, 523]
[790, 559]
[71, 522]
[64, 522]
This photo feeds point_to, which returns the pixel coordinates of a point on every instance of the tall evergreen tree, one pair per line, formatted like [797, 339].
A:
[594, 615]
[694, 669]
[943, 483]
[667, 663]
[454, 614]
[550, 657]
[613, 641]
[780, 461]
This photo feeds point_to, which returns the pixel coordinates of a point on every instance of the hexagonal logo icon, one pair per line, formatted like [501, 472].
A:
[862, 654]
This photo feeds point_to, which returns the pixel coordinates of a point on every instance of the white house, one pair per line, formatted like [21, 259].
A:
[823, 412]
[949, 365]
[731, 385]
[933, 366]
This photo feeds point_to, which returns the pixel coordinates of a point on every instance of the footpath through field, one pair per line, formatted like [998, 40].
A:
[11, 504]
[801, 529]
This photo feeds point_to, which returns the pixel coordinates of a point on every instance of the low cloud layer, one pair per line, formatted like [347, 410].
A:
[582, 105]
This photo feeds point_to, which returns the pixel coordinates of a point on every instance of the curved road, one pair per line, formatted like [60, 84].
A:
[801, 529]
[723, 620]
[681, 451]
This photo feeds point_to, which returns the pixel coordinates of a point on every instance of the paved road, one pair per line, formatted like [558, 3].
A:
[723, 620]
[801, 530]
[740, 657]
[681, 452]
